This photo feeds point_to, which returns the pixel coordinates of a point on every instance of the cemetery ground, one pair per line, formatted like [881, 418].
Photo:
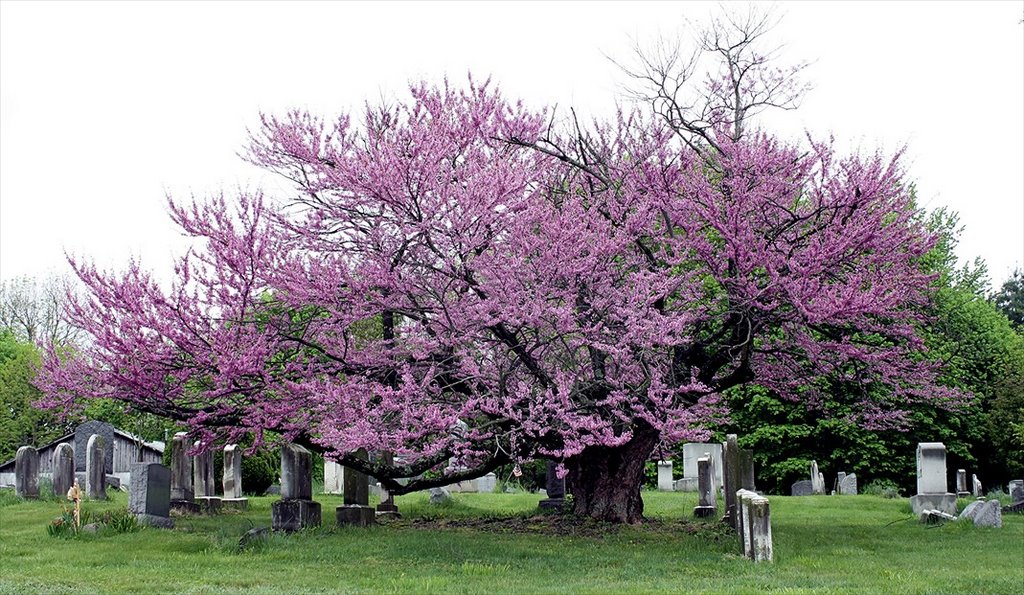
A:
[486, 543]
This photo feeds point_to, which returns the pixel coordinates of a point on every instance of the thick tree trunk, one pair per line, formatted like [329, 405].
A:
[605, 482]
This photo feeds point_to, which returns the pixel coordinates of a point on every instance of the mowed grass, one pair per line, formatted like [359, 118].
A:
[862, 544]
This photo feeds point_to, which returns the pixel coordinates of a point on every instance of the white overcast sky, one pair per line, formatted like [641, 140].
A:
[107, 107]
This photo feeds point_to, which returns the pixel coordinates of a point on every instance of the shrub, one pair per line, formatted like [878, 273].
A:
[882, 487]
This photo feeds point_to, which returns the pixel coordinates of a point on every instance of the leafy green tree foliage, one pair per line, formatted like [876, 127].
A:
[20, 422]
[1010, 299]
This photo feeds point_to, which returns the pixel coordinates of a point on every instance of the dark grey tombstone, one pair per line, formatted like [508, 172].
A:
[804, 487]
[203, 482]
[1017, 493]
[296, 509]
[355, 510]
[555, 489]
[747, 470]
[96, 468]
[63, 469]
[26, 472]
[707, 503]
[387, 507]
[149, 494]
[82, 435]
[182, 494]
[731, 477]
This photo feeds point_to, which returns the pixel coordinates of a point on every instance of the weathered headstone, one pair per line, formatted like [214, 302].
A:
[204, 482]
[555, 489]
[82, 434]
[804, 487]
[696, 450]
[817, 480]
[26, 472]
[356, 509]
[334, 477]
[971, 509]
[233, 497]
[439, 495]
[731, 477]
[931, 480]
[487, 484]
[686, 484]
[665, 476]
[707, 502]
[149, 494]
[976, 486]
[182, 494]
[63, 469]
[1016, 490]
[848, 485]
[989, 514]
[754, 526]
[747, 470]
[387, 507]
[961, 483]
[96, 468]
[296, 509]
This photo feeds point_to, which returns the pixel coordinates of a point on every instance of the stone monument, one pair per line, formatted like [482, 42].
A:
[731, 477]
[754, 526]
[962, 491]
[233, 497]
[334, 477]
[204, 482]
[63, 466]
[848, 484]
[555, 489]
[96, 468]
[817, 480]
[296, 509]
[149, 494]
[26, 472]
[931, 480]
[696, 450]
[387, 506]
[182, 495]
[356, 509]
[665, 476]
[976, 486]
[707, 502]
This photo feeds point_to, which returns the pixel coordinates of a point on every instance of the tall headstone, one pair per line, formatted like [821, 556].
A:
[334, 477]
[356, 509]
[976, 486]
[665, 476]
[696, 450]
[931, 480]
[82, 435]
[149, 494]
[747, 470]
[731, 477]
[848, 485]
[387, 506]
[707, 499]
[1016, 490]
[26, 472]
[63, 465]
[296, 509]
[96, 468]
[555, 488]
[754, 526]
[182, 494]
[204, 481]
[233, 497]
[962, 490]
[817, 480]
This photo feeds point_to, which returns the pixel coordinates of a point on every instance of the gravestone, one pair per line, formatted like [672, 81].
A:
[686, 484]
[1016, 490]
[817, 480]
[233, 497]
[804, 487]
[976, 486]
[439, 495]
[387, 507]
[696, 450]
[96, 468]
[731, 477]
[82, 435]
[931, 480]
[554, 489]
[334, 477]
[848, 485]
[487, 484]
[204, 482]
[971, 509]
[747, 470]
[961, 483]
[989, 514]
[63, 469]
[182, 495]
[754, 526]
[149, 494]
[356, 509]
[26, 472]
[707, 499]
[296, 509]
[665, 476]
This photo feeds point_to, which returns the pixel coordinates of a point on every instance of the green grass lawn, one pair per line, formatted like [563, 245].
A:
[862, 544]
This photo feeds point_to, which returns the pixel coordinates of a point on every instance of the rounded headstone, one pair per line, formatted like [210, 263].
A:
[95, 468]
[63, 465]
[26, 472]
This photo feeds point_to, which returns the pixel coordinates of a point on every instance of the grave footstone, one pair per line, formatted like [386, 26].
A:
[707, 502]
[96, 468]
[848, 485]
[555, 489]
[149, 494]
[26, 472]
[665, 476]
[182, 494]
[204, 483]
[296, 509]
[804, 487]
[989, 514]
[356, 508]
[233, 497]
[63, 466]
[962, 490]
[931, 480]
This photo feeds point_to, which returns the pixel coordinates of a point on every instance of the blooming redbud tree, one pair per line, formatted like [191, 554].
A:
[454, 284]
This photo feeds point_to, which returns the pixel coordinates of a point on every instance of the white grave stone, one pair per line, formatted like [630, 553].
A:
[932, 493]
[665, 476]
